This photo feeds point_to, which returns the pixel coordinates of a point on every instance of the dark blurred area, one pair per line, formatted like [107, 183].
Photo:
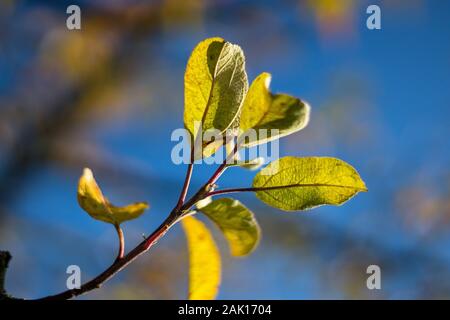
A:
[109, 95]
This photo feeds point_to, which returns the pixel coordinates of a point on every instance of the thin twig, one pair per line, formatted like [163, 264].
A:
[187, 179]
[121, 242]
[118, 264]
[175, 216]
[221, 169]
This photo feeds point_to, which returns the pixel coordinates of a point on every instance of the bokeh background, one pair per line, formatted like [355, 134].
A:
[109, 96]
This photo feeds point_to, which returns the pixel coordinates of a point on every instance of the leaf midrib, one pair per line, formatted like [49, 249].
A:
[361, 189]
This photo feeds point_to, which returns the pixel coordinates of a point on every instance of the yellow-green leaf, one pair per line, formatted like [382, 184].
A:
[292, 183]
[91, 199]
[215, 85]
[264, 110]
[204, 260]
[236, 222]
[257, 102]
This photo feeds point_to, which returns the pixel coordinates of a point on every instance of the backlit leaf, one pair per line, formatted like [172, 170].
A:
[215, 85]
[264, 110]
[292, 183]
[236, 222]
[91, 199]
[204, 260]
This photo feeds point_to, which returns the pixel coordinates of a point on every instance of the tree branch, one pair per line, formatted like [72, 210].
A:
[222, 167]
[118, 265]
[187, 180]
[5, 257]
[174, 217]
[122, 260]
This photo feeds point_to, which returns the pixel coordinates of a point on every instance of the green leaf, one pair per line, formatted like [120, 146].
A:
[215, 85]
[91, 199]
[236, 222]
[264, 110]
[292, 183]
[204, 260]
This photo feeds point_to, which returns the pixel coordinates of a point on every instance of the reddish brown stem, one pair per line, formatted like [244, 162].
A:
[222, 167]
[187, 181]
[121, 242]
[123, 260]
[118, 264]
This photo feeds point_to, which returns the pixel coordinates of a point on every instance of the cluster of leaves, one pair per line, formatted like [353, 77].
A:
[217, 95]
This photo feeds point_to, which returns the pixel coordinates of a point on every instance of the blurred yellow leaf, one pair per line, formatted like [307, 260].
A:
[334, 18]
[91, 199]
[332, 9]
[67, 51]
[204, 260]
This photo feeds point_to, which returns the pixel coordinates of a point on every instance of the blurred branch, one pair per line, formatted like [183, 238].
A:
[5, 257]
[34, 144]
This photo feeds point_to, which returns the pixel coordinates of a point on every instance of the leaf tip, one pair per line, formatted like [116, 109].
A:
[144, 205]
[364, 187]
[267, 79]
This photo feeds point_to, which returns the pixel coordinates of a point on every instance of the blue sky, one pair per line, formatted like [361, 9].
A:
[380, 101]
